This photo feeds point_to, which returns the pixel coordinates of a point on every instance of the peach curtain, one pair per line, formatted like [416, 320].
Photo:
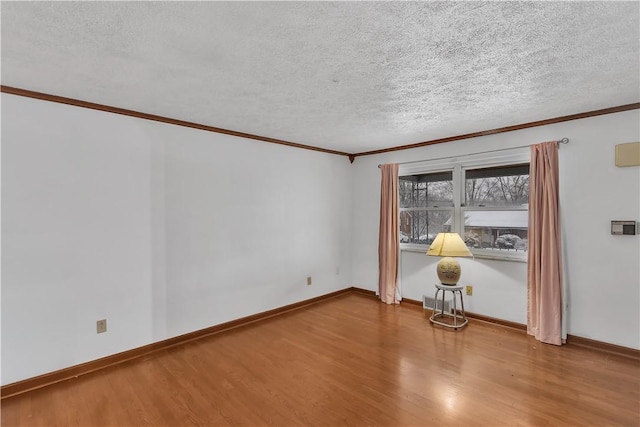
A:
[544, 275]
[388, 244]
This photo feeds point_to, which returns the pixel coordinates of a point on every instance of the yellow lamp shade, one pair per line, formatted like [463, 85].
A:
[448, 244]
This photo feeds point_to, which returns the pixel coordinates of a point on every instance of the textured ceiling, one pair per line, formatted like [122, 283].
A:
[348, 76]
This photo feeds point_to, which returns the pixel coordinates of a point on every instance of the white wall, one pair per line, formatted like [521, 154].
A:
[161, 230]
[603, 271]
[165, 230]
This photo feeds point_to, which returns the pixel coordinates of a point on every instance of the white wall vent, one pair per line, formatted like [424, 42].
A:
[427, 303]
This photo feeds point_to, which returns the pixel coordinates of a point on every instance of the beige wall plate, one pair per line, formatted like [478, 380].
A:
[628, 154]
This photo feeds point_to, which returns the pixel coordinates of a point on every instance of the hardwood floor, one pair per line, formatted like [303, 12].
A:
[349, 360]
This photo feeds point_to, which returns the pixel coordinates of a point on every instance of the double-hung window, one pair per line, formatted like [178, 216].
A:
[484, 198]
[495, 211]
[426, 206]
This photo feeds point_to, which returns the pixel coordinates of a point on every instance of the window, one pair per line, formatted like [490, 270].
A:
[495, 210]
[484, 198]
[426, 205]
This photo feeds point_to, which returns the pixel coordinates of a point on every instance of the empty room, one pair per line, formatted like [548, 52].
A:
[320, 213]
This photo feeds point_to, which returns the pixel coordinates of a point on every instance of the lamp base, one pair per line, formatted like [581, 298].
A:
[448, 271]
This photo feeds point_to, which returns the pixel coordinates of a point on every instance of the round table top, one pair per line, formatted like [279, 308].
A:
[449, 287]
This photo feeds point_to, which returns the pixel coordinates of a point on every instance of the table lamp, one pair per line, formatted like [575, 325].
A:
[448, 245]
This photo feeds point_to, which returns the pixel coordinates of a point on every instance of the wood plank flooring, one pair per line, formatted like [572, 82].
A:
[350, 361]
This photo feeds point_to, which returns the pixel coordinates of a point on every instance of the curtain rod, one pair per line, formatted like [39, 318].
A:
[561, 141]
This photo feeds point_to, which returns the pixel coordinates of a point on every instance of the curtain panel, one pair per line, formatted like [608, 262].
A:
[544, 268]
[388, 242]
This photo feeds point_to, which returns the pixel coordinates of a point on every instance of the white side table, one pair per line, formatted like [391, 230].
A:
[459, 320]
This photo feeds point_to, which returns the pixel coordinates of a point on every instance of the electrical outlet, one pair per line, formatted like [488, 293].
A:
[309, 281]
[101, 326]
[469, 290]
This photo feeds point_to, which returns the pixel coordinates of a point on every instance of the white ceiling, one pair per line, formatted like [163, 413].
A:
[348, 76]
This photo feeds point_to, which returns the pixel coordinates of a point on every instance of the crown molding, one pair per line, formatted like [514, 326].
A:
[545, 122]
[152, 117]
[351, 156]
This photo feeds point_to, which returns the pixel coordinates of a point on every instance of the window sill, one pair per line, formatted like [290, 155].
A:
[504, 256]
[512, 256]
[409, 247]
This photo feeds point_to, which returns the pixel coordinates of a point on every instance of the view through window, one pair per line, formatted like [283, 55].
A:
[496, 208]
[490, 209]
[426, 205]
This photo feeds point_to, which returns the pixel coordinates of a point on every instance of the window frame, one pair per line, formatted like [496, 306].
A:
[428, 209]
[458, 165]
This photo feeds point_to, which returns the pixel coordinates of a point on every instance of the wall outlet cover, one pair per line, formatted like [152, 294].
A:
[101, 326]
